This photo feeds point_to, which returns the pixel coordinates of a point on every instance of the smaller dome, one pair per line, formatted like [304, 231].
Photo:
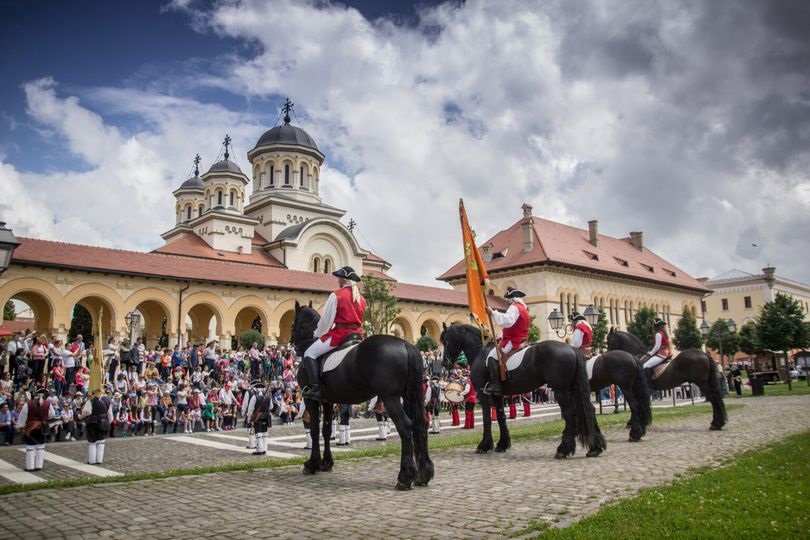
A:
[225, 165]
[195, 182]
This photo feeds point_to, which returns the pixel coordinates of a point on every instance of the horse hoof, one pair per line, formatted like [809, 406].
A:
[714, 428]
[309, 471]
[634, 439]
[326, 468]
[499, 449]
[402, 487]
[593, 453]
[560, 455]
[420, 483]
[482, 451]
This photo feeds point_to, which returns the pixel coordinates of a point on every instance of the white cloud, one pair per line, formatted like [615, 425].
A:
[652, 117]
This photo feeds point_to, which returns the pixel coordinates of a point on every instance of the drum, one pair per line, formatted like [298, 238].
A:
[453, 392]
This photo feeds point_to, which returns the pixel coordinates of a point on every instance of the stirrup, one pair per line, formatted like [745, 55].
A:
[487, 389]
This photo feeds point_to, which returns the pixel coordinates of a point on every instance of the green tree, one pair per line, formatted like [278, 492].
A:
[600, 332]
[642, 325]
[534, 331]
[719, 333]
[749, 338]
[82, 323]
[426, 343]
[381, 306]
[782, 327]
[249, 337]
[687, 334]
[9, 313]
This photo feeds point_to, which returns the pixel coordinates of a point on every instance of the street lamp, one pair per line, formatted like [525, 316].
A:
[133, 320]
[562, 328]
[8, 243]
[706, 328]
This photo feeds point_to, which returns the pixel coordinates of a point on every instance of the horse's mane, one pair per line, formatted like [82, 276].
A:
[632, 338]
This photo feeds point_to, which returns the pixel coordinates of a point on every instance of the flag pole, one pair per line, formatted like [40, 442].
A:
[498, 351]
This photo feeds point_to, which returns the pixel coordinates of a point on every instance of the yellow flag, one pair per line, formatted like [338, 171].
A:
[476, 271]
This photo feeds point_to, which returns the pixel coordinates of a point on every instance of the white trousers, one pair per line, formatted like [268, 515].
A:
[505, 349]
[319, 348]
[653, 361]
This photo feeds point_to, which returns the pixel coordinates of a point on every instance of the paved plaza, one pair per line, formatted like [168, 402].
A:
[357, 498]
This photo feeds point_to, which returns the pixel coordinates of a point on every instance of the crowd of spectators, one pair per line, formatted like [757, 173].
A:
[152, 391]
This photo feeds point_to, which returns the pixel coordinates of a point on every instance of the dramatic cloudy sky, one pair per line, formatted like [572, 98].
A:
[688, 120]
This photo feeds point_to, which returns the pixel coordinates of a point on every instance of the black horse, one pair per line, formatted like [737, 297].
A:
[622, 369]
[549, 362]
[691, 365]
[383, 366]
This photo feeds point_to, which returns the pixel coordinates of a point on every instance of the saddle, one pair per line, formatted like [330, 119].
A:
[661, 368]
[510, 354]
[349, 341]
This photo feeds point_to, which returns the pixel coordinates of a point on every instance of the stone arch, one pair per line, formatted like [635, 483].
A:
[93, 297]
[245, 310]
[403, 325]
[200, 307]
[43, 299]
[429, 323]
[154, 305]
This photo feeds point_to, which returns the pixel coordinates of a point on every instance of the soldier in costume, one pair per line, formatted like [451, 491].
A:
[260, 418]
[660, 351]
[513, 407]
[470, 400]
[583, 334]
[527, 404]
[344, 429]
[433, 406]
[381, 416]
[515, 323]
[97, 413]
[248, 406]
[342, 316]
[33, 421]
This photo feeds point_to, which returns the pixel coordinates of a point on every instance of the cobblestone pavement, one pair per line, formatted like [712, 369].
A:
[357, 498]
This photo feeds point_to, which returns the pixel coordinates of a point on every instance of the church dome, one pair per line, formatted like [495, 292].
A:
[195, 182]
[225, 165]
[287, 134]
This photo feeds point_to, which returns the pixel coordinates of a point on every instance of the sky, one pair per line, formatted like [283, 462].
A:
[687, 120]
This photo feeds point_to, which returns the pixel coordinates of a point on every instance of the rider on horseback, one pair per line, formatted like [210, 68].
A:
[660, 351]
[515, 323]
[583, 335]
[342, 316]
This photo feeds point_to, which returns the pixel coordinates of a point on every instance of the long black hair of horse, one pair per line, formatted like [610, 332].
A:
[712, 390]
[573, 395]
[385, 366]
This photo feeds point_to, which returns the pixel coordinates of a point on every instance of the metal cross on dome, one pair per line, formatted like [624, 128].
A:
[227, 144]
[197, 161]
[287, 108]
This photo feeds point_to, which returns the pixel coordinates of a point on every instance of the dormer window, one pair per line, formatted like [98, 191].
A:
[621, 262]
[647, 268]
[591, 256]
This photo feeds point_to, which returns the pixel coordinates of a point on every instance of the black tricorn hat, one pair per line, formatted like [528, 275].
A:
[347, 272]
[513, 293]
[659, 322]
[576, 316]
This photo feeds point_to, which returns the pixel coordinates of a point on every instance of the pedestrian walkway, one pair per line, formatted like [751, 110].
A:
[357, 498]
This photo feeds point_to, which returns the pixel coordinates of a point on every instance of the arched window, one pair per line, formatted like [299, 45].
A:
[316, 264]
[272, 175]
[302, 177]
[219, 198]
[327, 266]
[200, 210]
[287, 174]
[188, 212]
[562, 304]
[231, 201]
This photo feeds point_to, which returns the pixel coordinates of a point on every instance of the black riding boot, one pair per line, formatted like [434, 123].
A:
[493, 387]
[313, 390]
[648, 372]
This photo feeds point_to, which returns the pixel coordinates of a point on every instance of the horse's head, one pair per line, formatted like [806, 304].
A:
[455, 339]
[624, 341]
[304, 324]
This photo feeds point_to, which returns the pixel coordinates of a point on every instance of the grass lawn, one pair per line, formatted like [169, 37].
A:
[761, 494]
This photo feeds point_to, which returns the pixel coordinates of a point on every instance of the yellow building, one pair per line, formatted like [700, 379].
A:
[565, 268]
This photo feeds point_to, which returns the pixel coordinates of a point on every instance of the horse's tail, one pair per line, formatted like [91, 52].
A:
[587, 430]
[720, 417]
[642, 394]
[415, 409]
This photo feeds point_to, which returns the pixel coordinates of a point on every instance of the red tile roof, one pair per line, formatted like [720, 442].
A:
[18, 326]
[45, 253]
[191, 245]
[563, 245]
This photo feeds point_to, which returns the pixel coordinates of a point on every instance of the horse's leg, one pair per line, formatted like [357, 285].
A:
[636, 429]
[568, 445]
[328, 414]
[312, 465]
[505, 441]
[486, 441]
[407, 467]
[715, 397]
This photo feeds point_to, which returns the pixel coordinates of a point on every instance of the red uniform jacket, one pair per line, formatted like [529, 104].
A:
[471, 396]
[587, 334]
[518, 332]
[664, 352]
[348, 313]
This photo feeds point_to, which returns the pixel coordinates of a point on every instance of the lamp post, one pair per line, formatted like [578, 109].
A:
[562, 328]
[133, 320]
[706, 330]
[8, 243]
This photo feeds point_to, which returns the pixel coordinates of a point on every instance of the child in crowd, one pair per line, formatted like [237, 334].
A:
[185, 420]
[208, 417]
[170, 419]
[121, 420]
[132, 420]
[146, 422]
[220, 420]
